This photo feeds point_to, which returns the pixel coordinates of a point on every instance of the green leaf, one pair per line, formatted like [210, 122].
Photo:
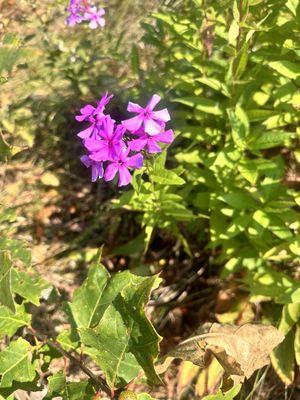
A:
[144, 396]
[239, 199]
[59, 387]
[28, 285]
[87, 301]
[283, 359]
[292, 5]
[267, 140]
[10, 322]
[297, 345]
[124, 341]
[230, 395]
[16, 363]
[201, 104]
[277, 285]
[68, 339]
[17, 250]
[166, 177]
[286, 68]
[290, 316]
[9, 56]
[176, 210]
[135, 59]
[6, 296]
[233, 32]
[56, 383]
[215, 84]
[240, 61]
[240, 126]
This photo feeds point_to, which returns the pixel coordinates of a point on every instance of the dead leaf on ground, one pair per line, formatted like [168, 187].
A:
[240, 350]
[246, 348]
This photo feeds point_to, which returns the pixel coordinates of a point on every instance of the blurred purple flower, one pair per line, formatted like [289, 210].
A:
[75, 10]
[121, 165]
[109, 142]
[151, 120]
[94, 115]
[82, 10]
[97, 167]
[95, 17]
[150, 143]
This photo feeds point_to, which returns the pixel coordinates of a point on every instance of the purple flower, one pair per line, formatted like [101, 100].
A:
[121, 165]
[150, 143]
[95, 17]
[151, 120]
[109, 144]
[97, 167]
[81, 10]
[94, 115]
[75, 11]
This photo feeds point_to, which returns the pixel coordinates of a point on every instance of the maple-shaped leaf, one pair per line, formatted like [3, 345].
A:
[16, 363]
[10, 322]
[111, 322]
[59, 387]
[28, 285]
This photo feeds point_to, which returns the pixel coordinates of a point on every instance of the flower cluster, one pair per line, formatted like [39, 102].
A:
[82, 10]
[117, 148]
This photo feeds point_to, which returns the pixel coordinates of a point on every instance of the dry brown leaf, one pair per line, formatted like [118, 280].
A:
[191, 350]
[244, 349]
[240, 350]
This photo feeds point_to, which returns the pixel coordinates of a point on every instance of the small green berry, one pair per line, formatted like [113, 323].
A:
[128, 395]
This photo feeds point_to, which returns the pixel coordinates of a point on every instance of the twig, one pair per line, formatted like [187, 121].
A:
[98, 381]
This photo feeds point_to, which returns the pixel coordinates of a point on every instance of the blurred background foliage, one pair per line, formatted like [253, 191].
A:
[226, 234]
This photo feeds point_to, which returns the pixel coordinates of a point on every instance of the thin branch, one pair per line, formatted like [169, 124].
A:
[98, 381]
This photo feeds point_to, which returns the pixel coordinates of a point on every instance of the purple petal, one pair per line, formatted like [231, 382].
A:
[133, 124]
[124, 176]
[165, 137]
[108, 126]
[86, 133]
[151, 127]
[101, 12]
[94, 144]
[135, 162]
[133, 107]
[153, 147]
[139, 132]
[101, 22]
[93, 24]
[80, 118]
[101, 155]
[110, 171]
[162, 115]
[105, 99]
[138, 144]
[155, 99]
[114, 150]
[87, 110]
[97, 171]
[86, 161]
[119, 132]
